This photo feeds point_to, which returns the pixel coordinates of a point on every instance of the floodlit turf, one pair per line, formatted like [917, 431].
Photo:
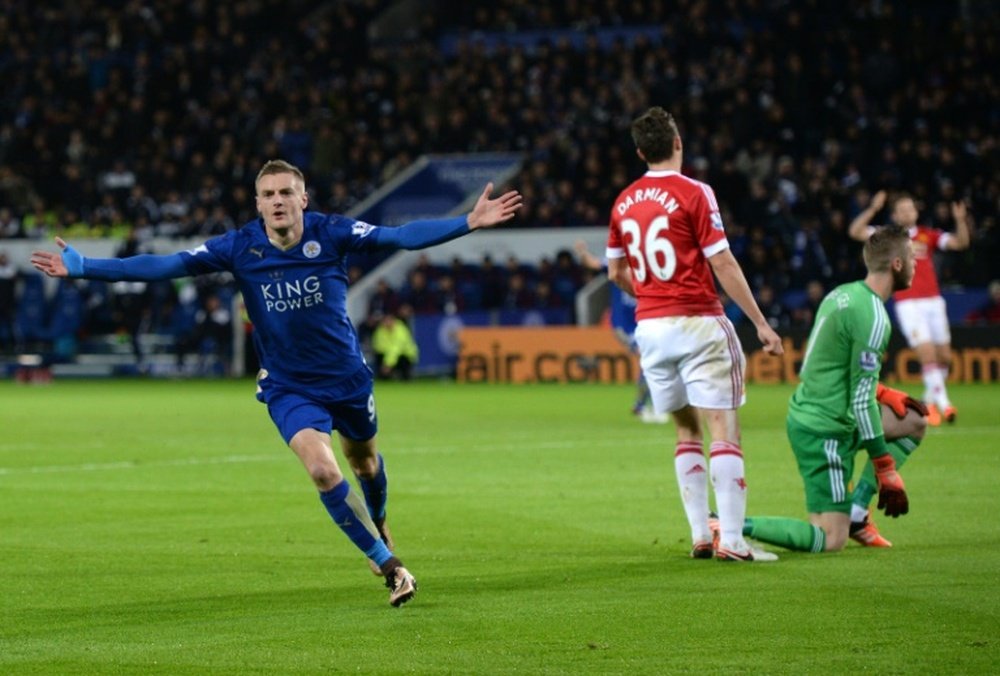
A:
[163, 528]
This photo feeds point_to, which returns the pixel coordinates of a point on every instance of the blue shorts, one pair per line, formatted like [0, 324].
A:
[353, 417]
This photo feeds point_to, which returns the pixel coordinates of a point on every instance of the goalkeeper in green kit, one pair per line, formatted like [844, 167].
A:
[834, 413]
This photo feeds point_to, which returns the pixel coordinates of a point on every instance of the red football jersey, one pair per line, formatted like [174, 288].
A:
[667, 225]
[925, 284]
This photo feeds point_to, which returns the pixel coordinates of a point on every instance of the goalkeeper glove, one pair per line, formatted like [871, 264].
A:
[898, 401]
[891, 492]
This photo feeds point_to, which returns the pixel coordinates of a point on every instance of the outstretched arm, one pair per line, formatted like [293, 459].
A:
[69, 263]
[858, 229]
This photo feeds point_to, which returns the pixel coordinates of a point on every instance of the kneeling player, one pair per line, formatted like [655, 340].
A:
[834, 412]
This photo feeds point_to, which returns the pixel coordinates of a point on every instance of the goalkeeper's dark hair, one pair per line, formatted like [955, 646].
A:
[885, 244]
[279, 167]
[653, 133]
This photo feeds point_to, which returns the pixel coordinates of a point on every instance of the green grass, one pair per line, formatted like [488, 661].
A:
[164, 528]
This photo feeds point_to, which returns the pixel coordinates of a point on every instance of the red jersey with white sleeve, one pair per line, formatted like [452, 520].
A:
[925, 283]
[668, 225]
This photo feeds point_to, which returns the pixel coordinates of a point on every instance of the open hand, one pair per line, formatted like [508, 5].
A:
[490, 212]
[52, 264]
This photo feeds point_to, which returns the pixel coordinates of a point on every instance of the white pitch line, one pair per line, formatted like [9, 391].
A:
[526, 444]
[132, 464]
[239, 459]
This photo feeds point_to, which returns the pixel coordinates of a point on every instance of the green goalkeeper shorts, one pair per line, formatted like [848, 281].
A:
[826, 465]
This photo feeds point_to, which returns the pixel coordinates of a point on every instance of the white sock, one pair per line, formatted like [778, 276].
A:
[692, 479]
[858, 513]
[933, 384]
[943, 400]
[726, 460]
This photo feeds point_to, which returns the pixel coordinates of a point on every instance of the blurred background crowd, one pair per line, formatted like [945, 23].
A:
[140, 118]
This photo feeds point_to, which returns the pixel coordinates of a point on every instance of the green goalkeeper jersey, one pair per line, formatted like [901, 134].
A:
[841, 365]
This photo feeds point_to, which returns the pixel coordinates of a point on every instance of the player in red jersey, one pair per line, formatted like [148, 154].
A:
[920, 310]
[665, 240]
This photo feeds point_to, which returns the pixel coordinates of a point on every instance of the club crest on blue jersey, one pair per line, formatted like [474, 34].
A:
[311, 249]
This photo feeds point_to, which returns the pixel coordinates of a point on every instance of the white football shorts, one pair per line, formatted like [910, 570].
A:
[923, 320]
[691, 360]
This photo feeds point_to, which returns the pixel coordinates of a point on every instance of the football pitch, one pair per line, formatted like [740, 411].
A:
[164, 528]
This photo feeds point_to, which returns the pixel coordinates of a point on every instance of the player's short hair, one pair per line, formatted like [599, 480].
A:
[279, 167]
[899, 197]
[885, 244]
[653, 133]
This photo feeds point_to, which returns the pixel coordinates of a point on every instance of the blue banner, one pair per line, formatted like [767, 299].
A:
[439, 188]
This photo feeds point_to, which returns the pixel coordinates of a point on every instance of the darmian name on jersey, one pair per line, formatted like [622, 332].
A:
[285, 296]
[648, 195]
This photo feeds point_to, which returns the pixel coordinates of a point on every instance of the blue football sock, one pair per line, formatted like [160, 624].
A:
[376, 491]
[350, 514]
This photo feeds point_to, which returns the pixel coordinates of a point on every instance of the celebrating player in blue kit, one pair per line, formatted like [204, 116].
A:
[621, 313]
[290, 266]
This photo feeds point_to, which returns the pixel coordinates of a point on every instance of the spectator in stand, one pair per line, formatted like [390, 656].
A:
[804, 314]
[777, 315]
[427, 269]
[40, 222]
[395, 350]
[418, 294]
[519, 295]
[10, 225]
[449, 300]
[384, 300]
[544, 298]
[493, 282]
[792, 133]
[566, 278]
[212, 337]
[130, 302]
[8, 295]
[989, 313]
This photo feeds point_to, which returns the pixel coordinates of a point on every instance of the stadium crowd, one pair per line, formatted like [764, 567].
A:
[151, 117]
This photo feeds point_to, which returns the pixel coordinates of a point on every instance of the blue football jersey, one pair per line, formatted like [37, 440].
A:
[622, 311]
[297, 298]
